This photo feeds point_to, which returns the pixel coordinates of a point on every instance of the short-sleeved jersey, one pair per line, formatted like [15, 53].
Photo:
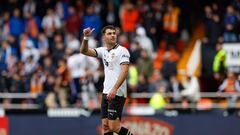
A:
[112, 59]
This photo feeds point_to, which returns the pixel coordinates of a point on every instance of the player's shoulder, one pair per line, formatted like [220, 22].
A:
[122, 48]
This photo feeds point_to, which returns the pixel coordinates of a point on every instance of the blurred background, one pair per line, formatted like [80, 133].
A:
[183, 77]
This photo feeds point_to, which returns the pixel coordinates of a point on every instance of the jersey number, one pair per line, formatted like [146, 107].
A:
[105, 62]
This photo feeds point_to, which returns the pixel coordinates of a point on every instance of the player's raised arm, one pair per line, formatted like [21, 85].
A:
[84, 49]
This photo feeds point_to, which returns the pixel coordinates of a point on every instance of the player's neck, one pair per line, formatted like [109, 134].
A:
[110, 46]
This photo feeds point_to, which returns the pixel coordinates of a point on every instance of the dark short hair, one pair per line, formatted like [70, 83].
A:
[111, 27]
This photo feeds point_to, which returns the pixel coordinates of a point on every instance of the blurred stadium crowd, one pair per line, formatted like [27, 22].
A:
[40, 43]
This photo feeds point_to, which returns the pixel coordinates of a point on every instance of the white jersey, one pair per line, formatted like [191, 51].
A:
[112, 59]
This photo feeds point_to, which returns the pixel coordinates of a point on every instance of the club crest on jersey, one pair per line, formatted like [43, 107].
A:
[113, 55]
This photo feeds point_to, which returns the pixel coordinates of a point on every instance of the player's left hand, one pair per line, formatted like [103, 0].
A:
[111, 95]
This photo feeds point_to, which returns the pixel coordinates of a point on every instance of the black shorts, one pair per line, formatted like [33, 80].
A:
[112, 109]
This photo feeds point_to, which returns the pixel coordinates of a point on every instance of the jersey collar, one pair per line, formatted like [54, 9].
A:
[116, 46]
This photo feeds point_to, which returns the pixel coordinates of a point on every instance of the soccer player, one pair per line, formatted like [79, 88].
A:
[116, 64]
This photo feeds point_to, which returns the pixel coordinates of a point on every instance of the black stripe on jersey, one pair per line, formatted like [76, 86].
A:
[125, 62]
[116, 46]
[96, 52]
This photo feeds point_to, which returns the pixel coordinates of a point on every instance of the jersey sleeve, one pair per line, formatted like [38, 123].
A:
[99, 51]
[124, 57]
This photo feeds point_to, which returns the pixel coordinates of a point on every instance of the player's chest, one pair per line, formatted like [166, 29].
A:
[110, 58]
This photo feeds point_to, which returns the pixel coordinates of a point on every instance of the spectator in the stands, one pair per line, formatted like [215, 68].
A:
[143, 83]
[215, 29]
[57, 49]
[30, 65]
[230, 85]
[93, 20]
[97, 5]
[48, 65]
[175, 87]
[132, 80]
[73, 21]
[72, 42]
[16, 24]
[129, 20]
[5, 26]
[48, 95]
[14, 43]
[7, 61]
[28, 49]
[145, 65]
[207, 19]
[236, 4]
[24, 42]
[51, 23]
[191, 91]
[16, 81]
[144, 41]
[29, 7]
[63, 72]
[58, 96]
[157, 82]
[171, 24]
[43, 45]
[61, 8]
[36, 83]
[135, 52]
[230, 23]
[169, 65]
[123, 40]
[219, 63]
[110, 15]
[6, 55]
[160, 55]
[80, 7]
[154, 21]
[43, 6]
[3, 81]
[32, 27]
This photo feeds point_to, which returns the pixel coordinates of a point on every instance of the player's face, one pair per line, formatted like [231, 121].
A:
[110, 36]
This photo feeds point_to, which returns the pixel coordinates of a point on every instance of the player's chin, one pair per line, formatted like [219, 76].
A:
[113, 40]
